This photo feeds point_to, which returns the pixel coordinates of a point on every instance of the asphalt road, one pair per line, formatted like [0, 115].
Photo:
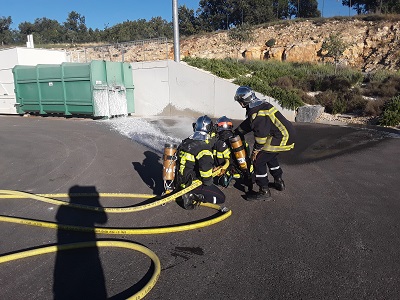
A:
[332, 234]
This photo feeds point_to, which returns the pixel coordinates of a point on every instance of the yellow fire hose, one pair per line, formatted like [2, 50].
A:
[9, 194]
[128, 245]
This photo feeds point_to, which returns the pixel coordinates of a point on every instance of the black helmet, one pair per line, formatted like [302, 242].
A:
[203, 124]
[244, 95]
[224, 123]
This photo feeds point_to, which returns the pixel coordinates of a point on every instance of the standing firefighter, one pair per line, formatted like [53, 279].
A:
[195, 162]
[273, 133]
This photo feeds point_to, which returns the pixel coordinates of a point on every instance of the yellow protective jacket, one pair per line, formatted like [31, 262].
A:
[195, 161]
[272, 131]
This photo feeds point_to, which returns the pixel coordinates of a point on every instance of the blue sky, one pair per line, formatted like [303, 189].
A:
[100, 13]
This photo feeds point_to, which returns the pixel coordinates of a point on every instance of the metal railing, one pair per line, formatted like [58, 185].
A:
[134, 51]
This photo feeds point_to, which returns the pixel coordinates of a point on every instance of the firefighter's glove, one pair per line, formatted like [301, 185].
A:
[217, 170]
[222, 171]
[224, 167]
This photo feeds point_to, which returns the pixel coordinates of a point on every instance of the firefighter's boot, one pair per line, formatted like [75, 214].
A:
[188, 201]
[192, 200]
[279, 184]
[263, 194]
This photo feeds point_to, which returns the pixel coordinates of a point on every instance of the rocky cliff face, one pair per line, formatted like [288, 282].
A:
[372, 45]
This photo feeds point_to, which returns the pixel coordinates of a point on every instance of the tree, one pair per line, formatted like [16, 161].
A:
[188, 24]
[216, 13]
[94, 35]
[44, 30]
[239, 35]
[334, 47]
[304, 9]
[75, 27]
[138, 30]
[259, 12]
[373, 6]
[222, 14]
[25, 29]
[48, 31]
[281, 9]
[160, 28]
[5, 32]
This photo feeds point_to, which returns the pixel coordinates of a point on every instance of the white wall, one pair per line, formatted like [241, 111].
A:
[8, 59]
[168, 88]
[151, 93]
[21, 56]
[33, 57]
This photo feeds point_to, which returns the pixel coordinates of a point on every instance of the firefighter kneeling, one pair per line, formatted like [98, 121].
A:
[231, 155]
[195, 162]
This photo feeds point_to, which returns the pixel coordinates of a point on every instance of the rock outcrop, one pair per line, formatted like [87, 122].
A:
[371, 45]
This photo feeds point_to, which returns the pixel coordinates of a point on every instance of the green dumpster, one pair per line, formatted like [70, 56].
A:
[97, 89]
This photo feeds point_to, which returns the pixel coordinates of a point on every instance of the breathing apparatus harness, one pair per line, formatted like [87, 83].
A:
[169, 166]
[239, 162]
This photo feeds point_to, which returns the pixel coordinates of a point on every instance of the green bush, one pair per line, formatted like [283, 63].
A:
[286, 98]
[374, 108]
[255, 83]
[326, 99]
[226, 68]
[342, 102]
[288, 83]
[383, 84]
[270, 43]
[379, 75]
[307, 98]
[391, 112]
[354, 101]
[339, 106]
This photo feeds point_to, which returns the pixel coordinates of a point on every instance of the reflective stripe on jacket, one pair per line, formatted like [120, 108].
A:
[272, 131]
[195, 161]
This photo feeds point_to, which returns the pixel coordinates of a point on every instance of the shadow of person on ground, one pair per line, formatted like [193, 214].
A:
[78, 273]
[150, 170]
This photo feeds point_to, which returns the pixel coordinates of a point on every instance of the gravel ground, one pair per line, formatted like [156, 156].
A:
[345, 119]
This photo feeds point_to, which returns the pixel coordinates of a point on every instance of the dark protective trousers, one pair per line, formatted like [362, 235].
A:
[264, 161]
[212, 194]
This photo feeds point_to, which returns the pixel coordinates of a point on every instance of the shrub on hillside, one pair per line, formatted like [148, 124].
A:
[270, 43]
[387, 88]
[334, 83]
[378, 76]
[288, 83]
[342, 81]
[255, 83]
[336, 102]
[286, 98]
[354, 101]
[307, 98]
[326, 99]
[374, 17]
[303, 84]
[339, 106]
[374, 108]
[285, 82]
[391, 112]
[226, 68]
[289, 99]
